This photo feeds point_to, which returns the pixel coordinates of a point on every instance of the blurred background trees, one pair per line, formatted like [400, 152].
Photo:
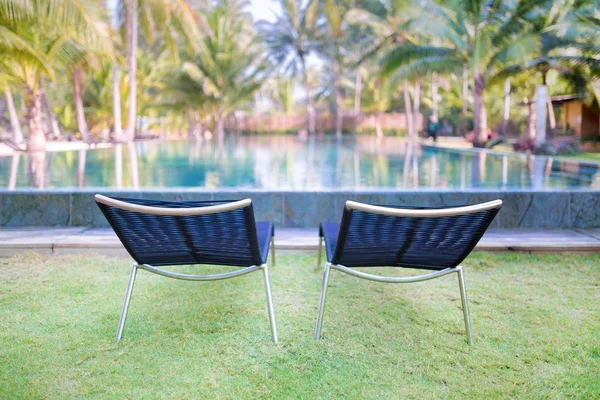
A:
[71, 68]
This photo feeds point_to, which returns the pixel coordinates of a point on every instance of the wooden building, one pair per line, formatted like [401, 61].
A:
[578, 118]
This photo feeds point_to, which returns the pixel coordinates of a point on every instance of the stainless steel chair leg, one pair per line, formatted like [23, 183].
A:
[322, 301]
[465, 307]
[265, 269]
[134, 268]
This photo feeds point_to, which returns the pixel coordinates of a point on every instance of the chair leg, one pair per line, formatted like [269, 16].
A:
[134, 268]
[273, 249]
[320, 251]
[465, 307]
[322, 301]
[265, 269]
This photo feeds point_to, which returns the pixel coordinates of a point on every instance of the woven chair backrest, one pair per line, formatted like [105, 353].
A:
[423, 238]
[162, 232]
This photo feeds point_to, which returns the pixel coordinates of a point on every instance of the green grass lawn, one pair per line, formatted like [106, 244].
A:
[536, 326]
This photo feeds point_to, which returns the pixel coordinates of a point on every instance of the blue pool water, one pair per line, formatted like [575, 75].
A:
[286, 163]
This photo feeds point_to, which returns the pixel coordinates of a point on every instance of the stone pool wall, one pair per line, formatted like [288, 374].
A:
[523, 208]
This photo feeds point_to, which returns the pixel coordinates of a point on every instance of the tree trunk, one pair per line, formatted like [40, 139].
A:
[479, 112]
[118, 127]
[335, 75]
[53, 122]
[541, 96]
[551, 116]
[78, 100]
[357, 90]
[17, 134]
[434, 95]
[131, 16]
[506, 113]
[200, 126]
[408, 112]
[36, 141]
[220, 125]
[338, 99]
[378, 128]
[417, 109]
[309, 101]
[191, 125]
[531, 121]
[465, 100]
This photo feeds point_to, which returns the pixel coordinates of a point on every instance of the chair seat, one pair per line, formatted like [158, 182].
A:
[381, 255]
[225, 238]
[366, 239]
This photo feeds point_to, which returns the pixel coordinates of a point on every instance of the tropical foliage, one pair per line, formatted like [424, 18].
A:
[67, 63]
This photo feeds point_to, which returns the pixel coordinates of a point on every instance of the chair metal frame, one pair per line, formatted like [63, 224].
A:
[190, 277]
[413, 213]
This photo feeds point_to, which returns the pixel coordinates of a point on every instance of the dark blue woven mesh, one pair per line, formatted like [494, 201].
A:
[330, 232]
[228, 238]
[366, 239]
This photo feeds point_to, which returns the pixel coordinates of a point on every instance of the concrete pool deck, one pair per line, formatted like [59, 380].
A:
[87, 241]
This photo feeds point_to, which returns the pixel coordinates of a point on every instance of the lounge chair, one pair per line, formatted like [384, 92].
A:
[162, 233]
[423, 238]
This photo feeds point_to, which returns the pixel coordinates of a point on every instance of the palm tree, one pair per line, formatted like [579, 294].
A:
[290, 39]
[131, 38]
[279, 90]
[5, 80]
[115, 22]
[377, 97]
[562, 49]
[77, 79]
[228, 69]
[98, 98]
[389, 23]
[17, 135]
[334, 34]
[168, 16]
[42, 36]
[484, 36]
[588, 24]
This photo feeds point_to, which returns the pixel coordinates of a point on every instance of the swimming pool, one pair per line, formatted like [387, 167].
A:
[286, 163]
[298, 183]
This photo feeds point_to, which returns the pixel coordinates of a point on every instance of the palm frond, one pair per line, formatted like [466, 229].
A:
[443, 65]
[404, 55]
[515, 51]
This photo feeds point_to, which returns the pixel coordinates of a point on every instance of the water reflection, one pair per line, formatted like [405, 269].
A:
[133, 165]
[287, 163]
[504, 170]
[478, 168]
[38, 171]
[415, 169]
[536, 170]
[81, 168]
[433, 173]
[14, 169]
[119, 166]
